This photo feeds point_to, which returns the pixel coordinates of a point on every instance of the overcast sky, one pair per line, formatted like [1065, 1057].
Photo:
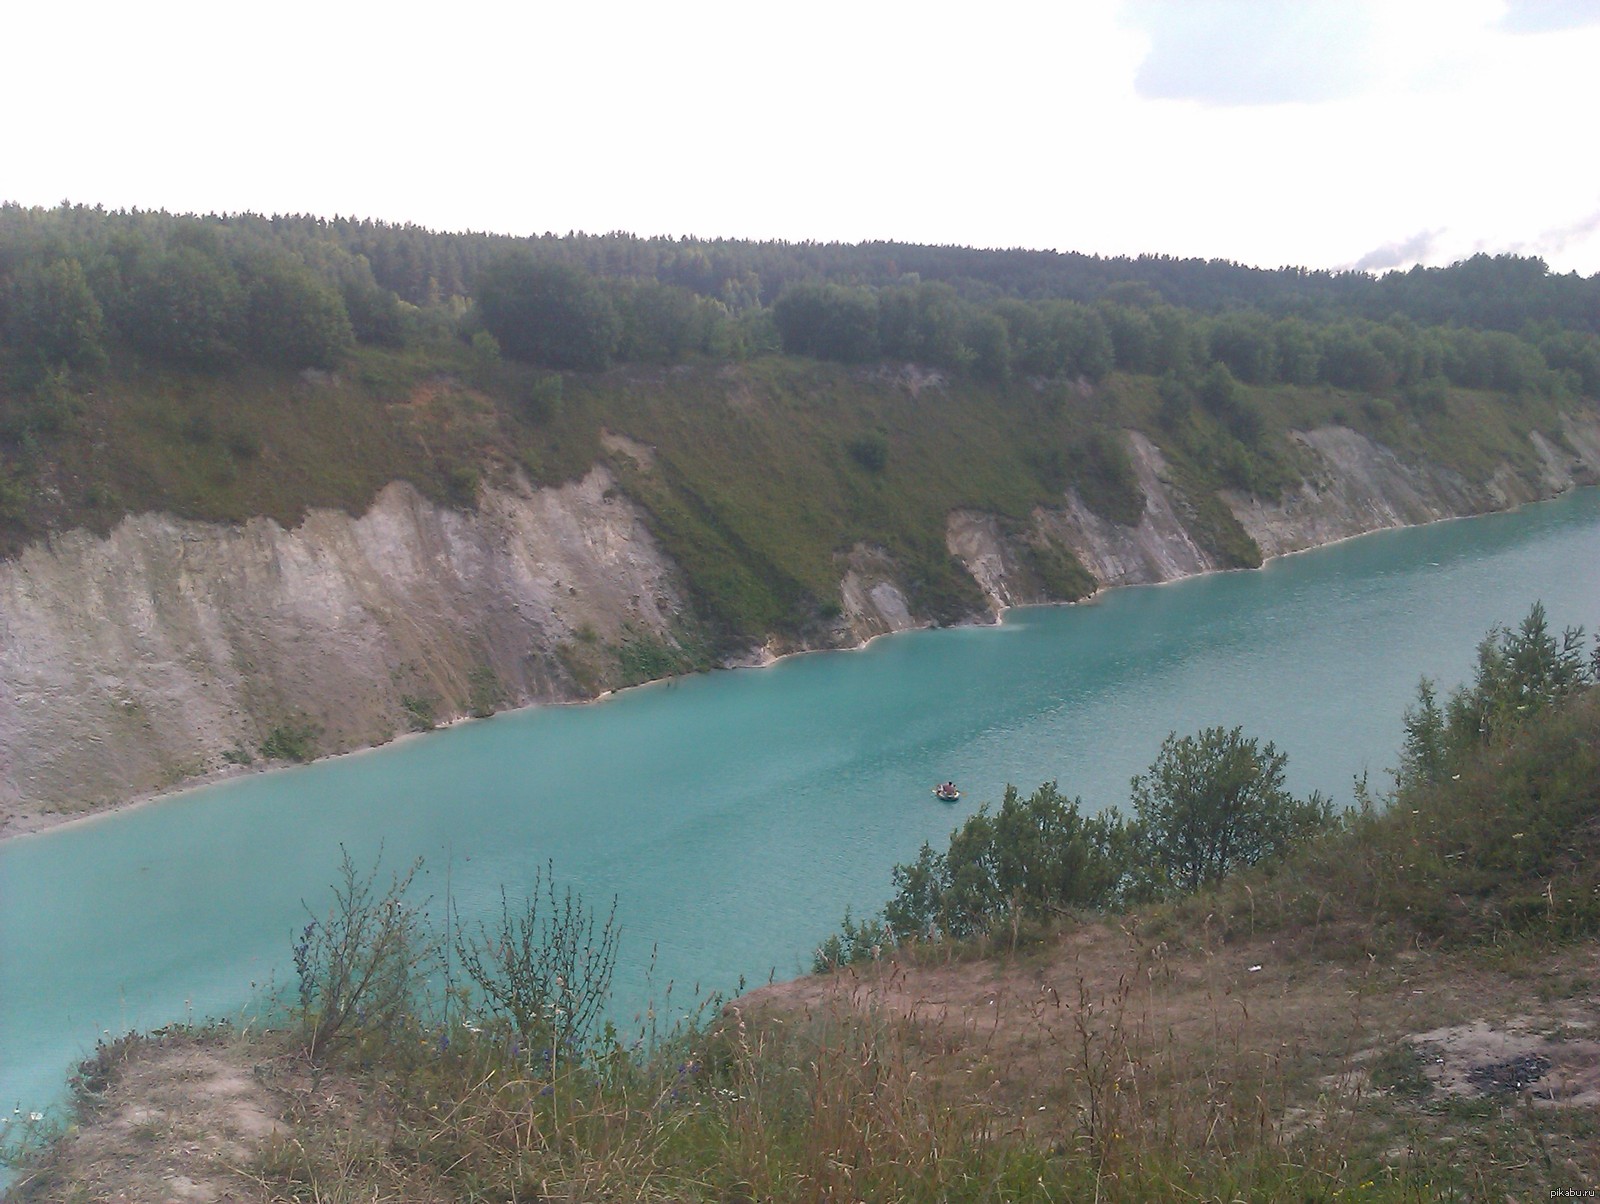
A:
[1328, 133]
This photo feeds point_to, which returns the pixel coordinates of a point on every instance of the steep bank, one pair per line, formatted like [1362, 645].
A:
[170, 649]
[1352, 486]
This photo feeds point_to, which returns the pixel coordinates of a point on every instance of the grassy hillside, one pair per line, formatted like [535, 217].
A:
[764, 472]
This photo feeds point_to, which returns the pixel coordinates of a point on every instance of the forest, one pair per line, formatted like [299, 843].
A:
[80, 287]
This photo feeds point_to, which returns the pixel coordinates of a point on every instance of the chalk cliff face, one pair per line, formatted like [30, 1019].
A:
[1160, 548]
[1356, 486]
[1363, 487]
[132, 662]
[168, 650]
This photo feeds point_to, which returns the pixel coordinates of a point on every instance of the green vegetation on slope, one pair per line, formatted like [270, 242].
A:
[224, 368]
[757, 481]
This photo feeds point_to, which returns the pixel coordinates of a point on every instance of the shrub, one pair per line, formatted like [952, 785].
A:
[463, 482]
[290, 742]
[1105, 477]
[362, 966]
[419, 712]
[484, 695]
[854, 943]
[1213, 802]
[871, 451]
[643, 657]
[1035, 856]
[539, 398]
[546, 974]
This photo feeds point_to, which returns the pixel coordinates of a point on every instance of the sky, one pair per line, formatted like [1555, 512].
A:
[1323, 133]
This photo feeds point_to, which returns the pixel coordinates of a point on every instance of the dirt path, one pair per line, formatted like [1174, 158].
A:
[179, 1116]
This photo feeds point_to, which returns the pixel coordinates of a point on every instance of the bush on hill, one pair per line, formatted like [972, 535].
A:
[1493, 827]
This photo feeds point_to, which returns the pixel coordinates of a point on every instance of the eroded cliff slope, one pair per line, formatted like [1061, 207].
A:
[171, 649]
[168, 650]
[1352, 486]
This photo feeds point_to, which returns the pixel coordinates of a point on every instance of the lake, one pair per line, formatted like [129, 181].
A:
[735, 815]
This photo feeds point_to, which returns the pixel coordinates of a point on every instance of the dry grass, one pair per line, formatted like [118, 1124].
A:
[1231, 1063]
[1098, 1063]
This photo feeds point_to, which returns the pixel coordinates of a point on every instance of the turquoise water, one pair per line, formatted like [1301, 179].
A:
[735, 815]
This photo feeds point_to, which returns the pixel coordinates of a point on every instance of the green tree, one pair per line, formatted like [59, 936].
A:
[920, 890]
[1424, 750]
[294, 319]
[985, 336]
[828, 321]
[376, 314]
[1518, 673]
[1295, 348]
[1576, 353]
[549, 314]
[661, 323]
[1350, 360]
[1214, 802]
[51, 316]
[185, 308]
[1178, 341]
[1245, 343]
[1132, 335]
[1082, 339]
[1035, 856]
[1034, 349]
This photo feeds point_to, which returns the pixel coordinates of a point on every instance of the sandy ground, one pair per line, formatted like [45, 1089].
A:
[176, 1118]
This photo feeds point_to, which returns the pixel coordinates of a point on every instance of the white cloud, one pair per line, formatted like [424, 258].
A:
[1549, 16]
[1415, 249]
[1242, 52]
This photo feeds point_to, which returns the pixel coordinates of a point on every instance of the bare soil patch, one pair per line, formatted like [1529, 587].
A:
[172, 1117]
